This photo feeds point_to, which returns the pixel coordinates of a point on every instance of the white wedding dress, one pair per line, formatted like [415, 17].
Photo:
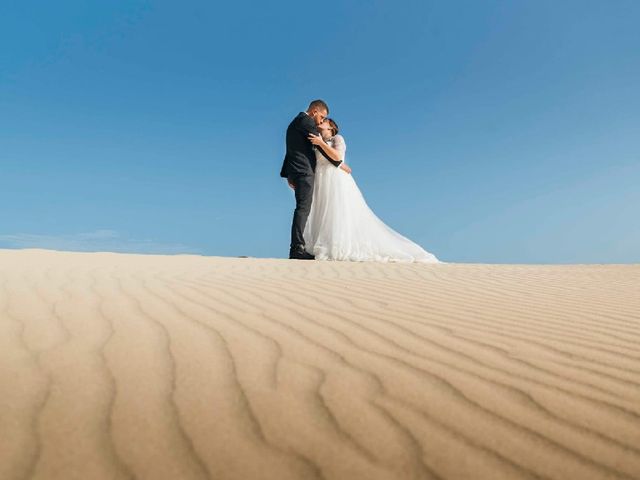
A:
[341, 226]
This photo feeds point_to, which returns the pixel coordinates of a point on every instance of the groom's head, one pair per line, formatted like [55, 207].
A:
[318, 110]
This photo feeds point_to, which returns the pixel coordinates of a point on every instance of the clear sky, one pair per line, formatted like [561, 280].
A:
[486, 131]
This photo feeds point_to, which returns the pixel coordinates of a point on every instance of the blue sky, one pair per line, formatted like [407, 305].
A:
[493, 131]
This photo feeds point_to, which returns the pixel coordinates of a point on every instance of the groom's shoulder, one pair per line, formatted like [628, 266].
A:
[298, 119]
[301, 117]
[302, 121]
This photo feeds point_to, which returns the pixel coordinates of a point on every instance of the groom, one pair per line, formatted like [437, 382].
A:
[299, 169]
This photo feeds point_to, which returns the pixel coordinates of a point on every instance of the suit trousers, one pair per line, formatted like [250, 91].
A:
[304, 195]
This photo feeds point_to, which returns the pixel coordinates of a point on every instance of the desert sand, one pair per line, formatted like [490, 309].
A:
[118, 366]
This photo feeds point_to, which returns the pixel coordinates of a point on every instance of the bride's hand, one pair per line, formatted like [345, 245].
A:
[315, 139]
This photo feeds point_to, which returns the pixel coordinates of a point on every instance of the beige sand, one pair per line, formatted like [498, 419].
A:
[118, 366]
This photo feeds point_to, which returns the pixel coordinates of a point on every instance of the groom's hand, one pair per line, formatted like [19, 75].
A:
[293, 187]
[345, 167]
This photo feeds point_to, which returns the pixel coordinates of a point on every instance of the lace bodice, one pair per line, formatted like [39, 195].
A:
[339, 144]
[336, 142]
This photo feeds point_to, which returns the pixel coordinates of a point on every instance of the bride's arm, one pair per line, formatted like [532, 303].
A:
[322, 146]
[340, 146]
[334, 153]
[336, 163]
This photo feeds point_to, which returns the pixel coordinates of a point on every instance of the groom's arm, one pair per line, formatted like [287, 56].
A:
[308, 127]
[336, 163]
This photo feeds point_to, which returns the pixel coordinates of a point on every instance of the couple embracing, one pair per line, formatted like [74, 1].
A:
[331, 220]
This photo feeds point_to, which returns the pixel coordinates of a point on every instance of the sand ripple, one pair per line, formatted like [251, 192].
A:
[118, 366]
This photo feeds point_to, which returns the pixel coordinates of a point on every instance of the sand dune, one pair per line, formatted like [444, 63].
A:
[116, 366]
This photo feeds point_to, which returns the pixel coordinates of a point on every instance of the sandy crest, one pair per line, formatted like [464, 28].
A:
[116, 366]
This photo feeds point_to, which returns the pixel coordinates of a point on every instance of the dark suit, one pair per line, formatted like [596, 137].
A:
[299, 167]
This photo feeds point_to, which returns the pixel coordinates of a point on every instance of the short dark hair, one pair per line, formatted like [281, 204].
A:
[334, 126]
[319, 104]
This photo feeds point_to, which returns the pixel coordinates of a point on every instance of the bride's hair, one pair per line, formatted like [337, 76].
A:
[334, 126]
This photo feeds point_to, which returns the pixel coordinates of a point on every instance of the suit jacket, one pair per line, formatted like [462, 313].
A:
[300, 158]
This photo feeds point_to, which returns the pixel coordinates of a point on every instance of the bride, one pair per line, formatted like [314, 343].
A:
[341, 226]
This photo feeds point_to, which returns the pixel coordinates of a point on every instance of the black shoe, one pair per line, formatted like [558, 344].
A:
[300, 254]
